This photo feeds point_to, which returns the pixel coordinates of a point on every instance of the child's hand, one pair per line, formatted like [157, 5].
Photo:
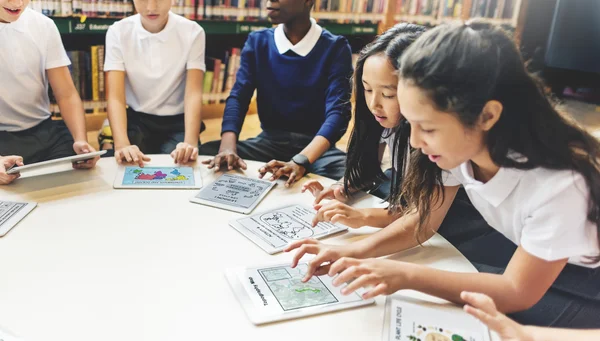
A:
[82, 147]
[228, 157]
[129, 154]
[483, 308]
[184, 153]
[384, 276]
[7, 162]
[325, 255]
[292, 170]
[335, 191]
[338, 212]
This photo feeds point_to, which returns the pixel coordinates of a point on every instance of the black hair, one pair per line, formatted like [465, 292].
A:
[363, 168]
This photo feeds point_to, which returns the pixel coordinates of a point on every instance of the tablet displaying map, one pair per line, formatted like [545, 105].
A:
[276, 292]
[286, 285]
[157, 177]
[273, 230]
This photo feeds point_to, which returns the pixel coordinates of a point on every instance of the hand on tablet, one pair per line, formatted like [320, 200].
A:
[382, 276]
[335, 191]
[338, 212]
[226, 157]
[290, 169]
[7, 162]
[82, 147]
[325, 255]
[130, 154]
[184, 153]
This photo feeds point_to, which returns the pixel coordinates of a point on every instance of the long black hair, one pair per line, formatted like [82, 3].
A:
[362, 163]
[461, 68]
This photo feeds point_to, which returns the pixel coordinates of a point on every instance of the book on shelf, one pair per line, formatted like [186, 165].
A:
[87, 71]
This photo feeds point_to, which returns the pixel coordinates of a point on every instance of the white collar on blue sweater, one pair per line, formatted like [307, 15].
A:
[304, 46]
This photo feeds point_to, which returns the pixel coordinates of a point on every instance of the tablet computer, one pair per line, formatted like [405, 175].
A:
[11, 213]
[276, 293]
[234, 193]
[275, 229]
[72, 159]
[158, 177]
[410, 319]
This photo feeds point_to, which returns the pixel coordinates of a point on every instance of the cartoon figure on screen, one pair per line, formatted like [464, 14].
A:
[286, 225]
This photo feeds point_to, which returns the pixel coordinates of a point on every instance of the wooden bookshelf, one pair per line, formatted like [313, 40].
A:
[392, 16]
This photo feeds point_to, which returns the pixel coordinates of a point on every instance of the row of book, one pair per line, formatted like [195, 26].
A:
[87, 71]
[497, 9]
[329, 10]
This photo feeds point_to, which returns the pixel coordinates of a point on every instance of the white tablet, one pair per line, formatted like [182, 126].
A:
[171, 177]
[234, 192]
[276, 293]
[6, 336]
[72, 159]
[273, 230]
[408, 319]
[13, 212]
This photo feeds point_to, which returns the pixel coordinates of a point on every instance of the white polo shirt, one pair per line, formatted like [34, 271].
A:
[28, 47]
[542, 210]
[155, 64]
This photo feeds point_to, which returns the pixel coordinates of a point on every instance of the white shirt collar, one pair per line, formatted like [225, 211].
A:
[497, 189]
[161, 36]
[304, 46]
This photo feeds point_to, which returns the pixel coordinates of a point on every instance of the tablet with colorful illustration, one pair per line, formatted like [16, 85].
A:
[174, 177]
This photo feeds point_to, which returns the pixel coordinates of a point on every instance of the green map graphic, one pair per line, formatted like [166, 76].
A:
[286, 284]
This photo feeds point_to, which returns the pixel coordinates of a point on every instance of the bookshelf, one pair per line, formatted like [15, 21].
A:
[507, 13]
[86, 23]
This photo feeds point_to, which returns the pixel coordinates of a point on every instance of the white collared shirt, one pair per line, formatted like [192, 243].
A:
[28, 47]
[155, 64]
[304, 46]
[542, 210]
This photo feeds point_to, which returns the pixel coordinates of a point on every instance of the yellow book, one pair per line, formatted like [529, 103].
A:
[95, 83]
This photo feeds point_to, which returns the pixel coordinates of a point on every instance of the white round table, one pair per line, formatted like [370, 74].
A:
[94, 263]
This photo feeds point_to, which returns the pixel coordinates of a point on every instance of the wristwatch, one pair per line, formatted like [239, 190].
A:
[301, 160]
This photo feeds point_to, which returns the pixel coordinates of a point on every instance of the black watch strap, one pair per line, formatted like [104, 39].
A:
[301, 160]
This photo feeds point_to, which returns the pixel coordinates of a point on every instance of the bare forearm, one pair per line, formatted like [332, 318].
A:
[379, 217]
[193, 117]
[71, 110]
[557, 334]
[317, 147]
[398, 236]
[117, 116]
[448, 285]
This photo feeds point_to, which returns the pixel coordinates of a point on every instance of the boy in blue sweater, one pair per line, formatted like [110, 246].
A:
[302, 76]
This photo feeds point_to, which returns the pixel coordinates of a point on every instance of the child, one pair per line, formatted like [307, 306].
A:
[377, 123]
[482, 307]
[31, 56]
[155, 70]
[533, 175]
[301, 73]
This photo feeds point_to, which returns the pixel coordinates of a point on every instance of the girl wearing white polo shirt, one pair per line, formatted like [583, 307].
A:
[31, 58]
[531, 173]
[155, 70]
